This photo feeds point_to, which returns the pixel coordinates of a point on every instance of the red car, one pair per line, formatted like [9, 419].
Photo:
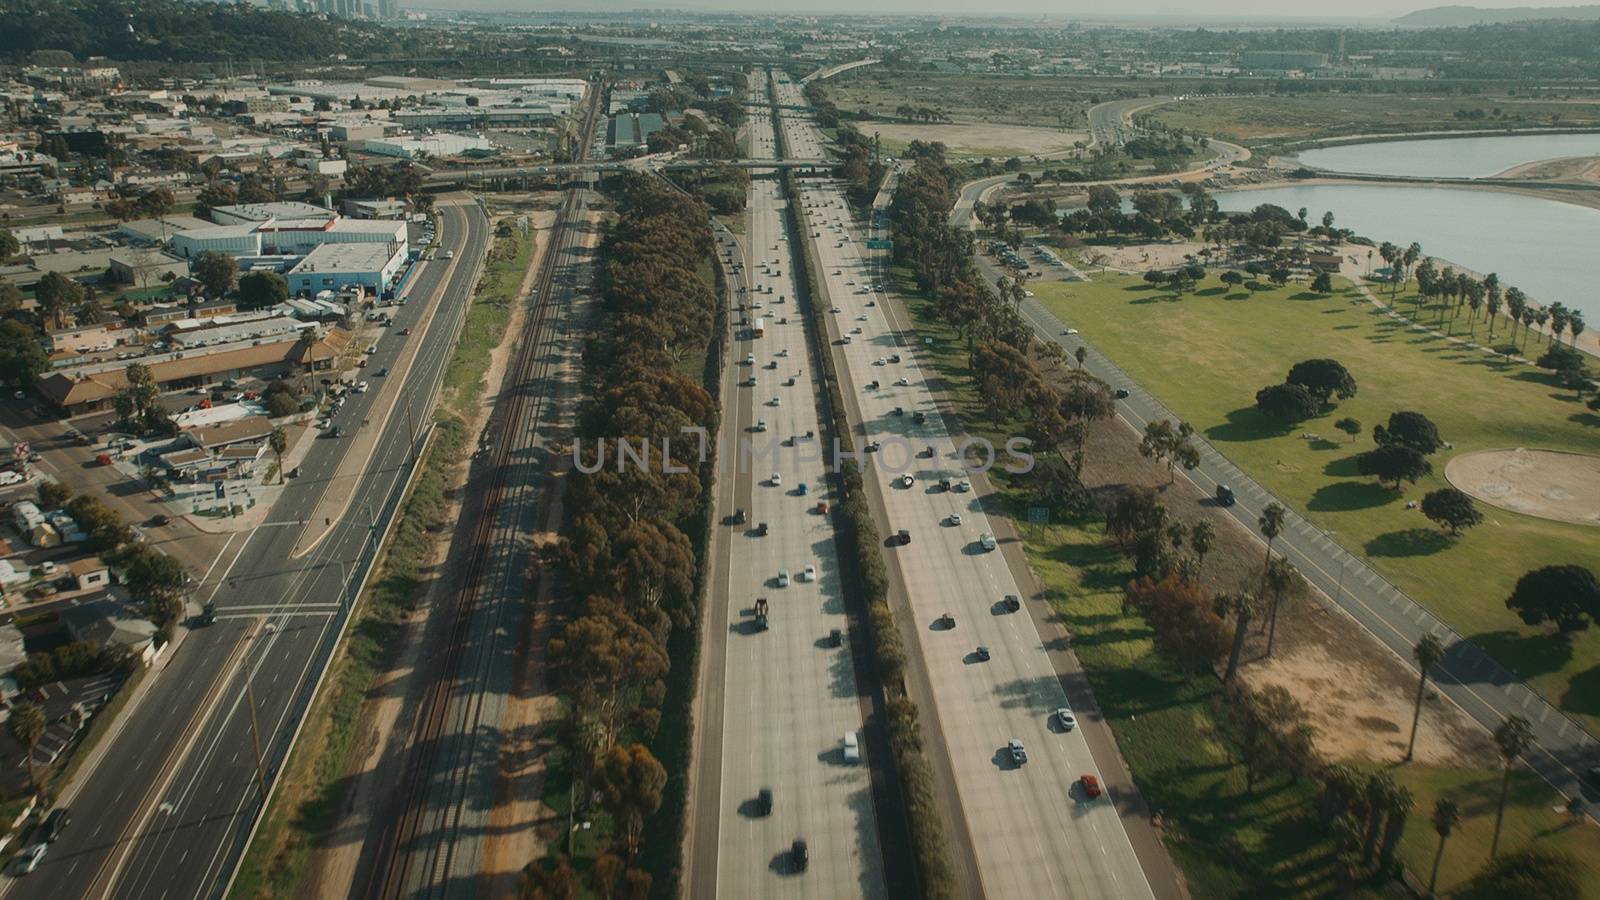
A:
[1091, 786]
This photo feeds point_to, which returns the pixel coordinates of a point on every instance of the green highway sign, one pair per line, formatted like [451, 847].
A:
[880, 245]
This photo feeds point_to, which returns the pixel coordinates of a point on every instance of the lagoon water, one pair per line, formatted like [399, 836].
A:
[1477, 157]
[1545, 247]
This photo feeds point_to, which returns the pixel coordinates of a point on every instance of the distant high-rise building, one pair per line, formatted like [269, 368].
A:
[388, 9]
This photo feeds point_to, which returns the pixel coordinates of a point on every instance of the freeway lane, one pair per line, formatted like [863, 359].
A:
[789, 695]
[1034, 832]
[147, 827]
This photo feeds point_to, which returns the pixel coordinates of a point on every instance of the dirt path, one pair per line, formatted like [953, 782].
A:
[334, 863]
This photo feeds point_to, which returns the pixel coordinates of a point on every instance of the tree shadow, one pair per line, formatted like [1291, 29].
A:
[1346, 467]
[1409, 542]
[1583, 693]
[1349, 495]
[1528, 655]
[1247, 424]
[1589, 419]
[1211, 292]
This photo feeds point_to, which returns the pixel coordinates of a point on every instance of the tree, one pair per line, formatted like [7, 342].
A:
[22, 360]
[27, 724]
[1531, 872]
[1232, 277]
[1451, 509]
[1183, 620]
[278, 440]
[1428, 652]
[1271, 523]
[1511, 739]
[1400, 803]
[1567, 596]
[260, 290]
[216, 271]
[1349, 426]
[8, 245]
[56, 294]
[1324, 378]
[1282, 579]
[1172, 445]
[554, 881]
[1409, 429]
[1446, 816]
[154, 579]
[630, 781]
[1134, 511]
[53, 495]
[1202, 539]
[1242, 606]
[1288, 403]
[1323, 283]
[1393, 464]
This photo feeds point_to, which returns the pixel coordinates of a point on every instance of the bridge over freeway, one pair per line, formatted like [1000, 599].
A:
[477, 175]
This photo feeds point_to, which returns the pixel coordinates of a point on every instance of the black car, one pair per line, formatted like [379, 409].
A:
[1013, 602]
[919, 418]
[764, 802]
[159, 519]
[1224, 495]
[798, 855]
[904, 536]
[54, 824]
[381, 372]
[738, 516]
[1122, 393]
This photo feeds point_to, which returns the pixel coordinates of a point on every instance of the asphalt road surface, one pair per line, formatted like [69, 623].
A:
[167, 811]
[789, 695]
[1034, 830]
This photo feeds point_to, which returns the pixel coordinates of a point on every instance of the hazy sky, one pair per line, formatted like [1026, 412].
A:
[1176, 9]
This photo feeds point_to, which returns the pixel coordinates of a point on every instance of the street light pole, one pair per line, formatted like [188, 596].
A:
[255, 737]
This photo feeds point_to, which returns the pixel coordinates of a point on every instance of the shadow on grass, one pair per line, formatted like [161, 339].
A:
[1583, 693]
[1348, 495]
[1589, 419]
[1409, 542]
[1211, 292]
[1528, 655]
[1343, 468]
[1247, 424]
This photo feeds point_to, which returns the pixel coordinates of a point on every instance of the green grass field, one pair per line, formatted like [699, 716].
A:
[1266, 119]
[1206, 354]
[1228, 843]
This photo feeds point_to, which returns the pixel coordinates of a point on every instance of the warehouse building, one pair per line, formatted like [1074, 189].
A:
[334, 267]
[1281, 60]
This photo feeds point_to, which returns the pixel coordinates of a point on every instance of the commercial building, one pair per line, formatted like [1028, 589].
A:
[435, 145]
[143, 267]
[242, 213]
[334, 267]
[630, 130]
[291, 237]
[1281, 60]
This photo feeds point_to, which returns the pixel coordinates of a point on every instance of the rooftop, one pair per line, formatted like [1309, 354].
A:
[288, 209]
[345, 258]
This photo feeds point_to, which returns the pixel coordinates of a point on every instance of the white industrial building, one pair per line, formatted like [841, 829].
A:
[437, 145]
[287, 237]
[334, 267]
[242, 213]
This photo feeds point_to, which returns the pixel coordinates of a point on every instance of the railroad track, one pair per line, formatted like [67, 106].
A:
[405, 842]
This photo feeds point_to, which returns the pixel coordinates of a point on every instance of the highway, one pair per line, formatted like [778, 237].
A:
[167, 811]
[1034, 831]
[788, 694]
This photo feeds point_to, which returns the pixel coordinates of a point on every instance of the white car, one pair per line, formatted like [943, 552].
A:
[955, 519]
[362, 387]
[30, 859]
[777, 480]
[1066, 718]
[761, 425]
[861, 318]
[783, 578]
[1072, 331]
[749, 359]
[852, 747]
[784, 352]
[988, 541]
[8, 478]
[775, 401]
[907, 480]
[903, 381]
[809, 573]
[963, 486]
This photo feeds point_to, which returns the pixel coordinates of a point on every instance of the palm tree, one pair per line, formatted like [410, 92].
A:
[1080, 354]
[1401, 802]
[1202, 539]
[1271, 523]
[1575, 325]
[278, 440]
[1427, 653]
[1243, 606]
[1516, 305]
[1445, 819]
[1281, 578]
[27, 725]
[1513, 737]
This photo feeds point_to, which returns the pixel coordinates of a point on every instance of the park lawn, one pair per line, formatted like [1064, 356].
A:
[1206, 354]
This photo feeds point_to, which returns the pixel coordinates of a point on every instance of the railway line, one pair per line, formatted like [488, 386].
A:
[421, 844]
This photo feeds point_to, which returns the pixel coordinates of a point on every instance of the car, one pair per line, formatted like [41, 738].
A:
[761, 425]
[761, 529]
[946, 621]
[159, 519]
[907, 480]
[953, 519]
[1019, 753]
[332, 432]
[1224, 495]
[861, 318]
[962, 486]
[751, 381]
[987, 541]
[381, 372]
[1091, 786]
[852, 747]
[919, 419]
[764, 802]
[405, 331]
[784, 352]
[1012, 602]
[783, 578]
[10, 477]
[798, 856]
[775, 401]
[904, 536]
[362, 387]
[802, 489]
[903, 381]
[1070, 331]
[809, 573]
[54, 824]
[31, 858]
[776, 480]
[845, 340]
[1066, 718]
[898, 410]
[749, 359]
[738, 516]
[873, 446]
[1121, 393]
[982, 653]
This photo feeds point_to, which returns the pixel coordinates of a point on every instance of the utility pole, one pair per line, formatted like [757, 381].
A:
[255, 736]
[411, 431]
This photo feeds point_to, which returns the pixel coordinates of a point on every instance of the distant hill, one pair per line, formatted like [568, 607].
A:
[1455, 16]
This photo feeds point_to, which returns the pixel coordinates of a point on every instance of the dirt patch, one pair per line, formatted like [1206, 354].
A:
[980, 140]
[1357, 694]
[1544, 483]
[1569, 168]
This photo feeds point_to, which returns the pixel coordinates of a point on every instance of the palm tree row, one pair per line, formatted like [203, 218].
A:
[1458, 289]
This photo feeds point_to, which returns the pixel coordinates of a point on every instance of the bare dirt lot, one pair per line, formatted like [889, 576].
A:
[1570, 168]
[1544, 483]
[979, 140]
